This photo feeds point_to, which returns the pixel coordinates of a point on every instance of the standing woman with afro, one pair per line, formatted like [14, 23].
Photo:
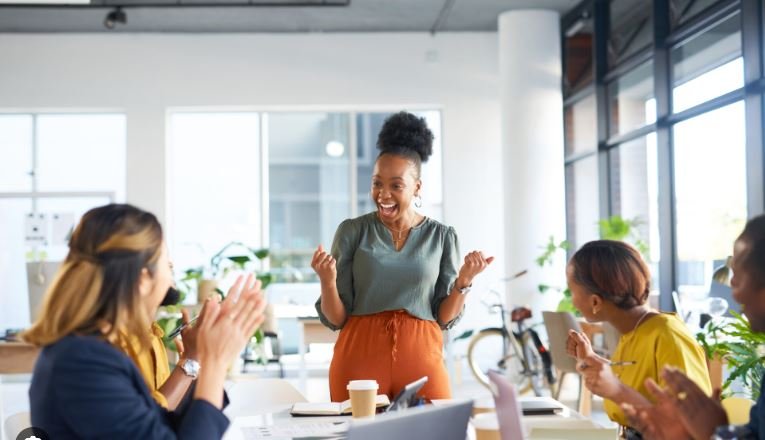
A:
[393, 279]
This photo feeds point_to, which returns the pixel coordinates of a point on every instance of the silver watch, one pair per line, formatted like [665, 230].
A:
[463, 290]
[191, 368]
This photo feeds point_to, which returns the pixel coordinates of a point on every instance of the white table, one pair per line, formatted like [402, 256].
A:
[279, 416]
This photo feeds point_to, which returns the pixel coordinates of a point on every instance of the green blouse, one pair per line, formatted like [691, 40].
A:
[373, 277]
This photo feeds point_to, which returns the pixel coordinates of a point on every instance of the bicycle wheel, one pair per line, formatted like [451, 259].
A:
[535, 373]
[485, 353]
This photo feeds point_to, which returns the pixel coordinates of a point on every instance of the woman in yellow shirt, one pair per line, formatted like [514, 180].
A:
[609, 282]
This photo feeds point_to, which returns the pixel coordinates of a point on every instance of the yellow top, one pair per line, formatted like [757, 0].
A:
[153, 364]
[661, 340]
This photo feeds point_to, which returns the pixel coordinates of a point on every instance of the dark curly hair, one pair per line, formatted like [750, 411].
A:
[614, 271]
[404, 134]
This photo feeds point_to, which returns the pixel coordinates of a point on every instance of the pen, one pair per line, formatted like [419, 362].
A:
[622, 363]
[583, 365]
[180, 328]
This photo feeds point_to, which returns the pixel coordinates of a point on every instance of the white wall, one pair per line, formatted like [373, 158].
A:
[144, 74]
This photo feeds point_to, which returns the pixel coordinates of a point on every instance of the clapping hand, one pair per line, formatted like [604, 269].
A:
[700, 413]
[658, 421]
[225, 328]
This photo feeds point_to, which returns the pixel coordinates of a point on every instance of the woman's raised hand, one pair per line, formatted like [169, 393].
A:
[324, 264]
[475, 263]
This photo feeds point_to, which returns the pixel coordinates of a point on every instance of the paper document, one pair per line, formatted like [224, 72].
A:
[296, 430]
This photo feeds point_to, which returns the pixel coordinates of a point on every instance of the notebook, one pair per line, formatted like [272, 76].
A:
[331, 408]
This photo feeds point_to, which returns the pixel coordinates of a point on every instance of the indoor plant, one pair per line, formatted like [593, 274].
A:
[205, 281]
[741, 350]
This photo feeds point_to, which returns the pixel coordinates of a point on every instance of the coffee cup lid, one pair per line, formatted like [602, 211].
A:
[363, 385]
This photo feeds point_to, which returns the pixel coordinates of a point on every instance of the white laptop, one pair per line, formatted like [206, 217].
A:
[507, 407]
[446, 422]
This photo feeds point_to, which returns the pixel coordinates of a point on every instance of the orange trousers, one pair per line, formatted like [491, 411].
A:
[394, 348]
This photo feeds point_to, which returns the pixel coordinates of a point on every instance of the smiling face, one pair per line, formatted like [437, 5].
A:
[394, 186]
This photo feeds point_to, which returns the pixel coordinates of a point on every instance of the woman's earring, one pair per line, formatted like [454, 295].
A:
[417, 201]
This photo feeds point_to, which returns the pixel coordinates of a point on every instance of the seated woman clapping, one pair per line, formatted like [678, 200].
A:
[109, 289]
[610, 282]
[682, 410]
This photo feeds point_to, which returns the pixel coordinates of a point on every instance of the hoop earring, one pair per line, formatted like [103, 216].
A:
[417, 201]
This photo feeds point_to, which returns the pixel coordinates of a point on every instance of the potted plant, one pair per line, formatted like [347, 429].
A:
[551, 249]
[221, 264]
[742, 350]
[205, 281]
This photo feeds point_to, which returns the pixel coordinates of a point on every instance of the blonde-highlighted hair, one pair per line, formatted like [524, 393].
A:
[96, 289]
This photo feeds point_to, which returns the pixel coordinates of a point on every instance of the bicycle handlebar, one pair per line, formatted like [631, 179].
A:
[517, 275]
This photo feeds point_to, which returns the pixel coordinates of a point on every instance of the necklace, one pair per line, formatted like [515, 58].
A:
[646, 313]
[398, 236]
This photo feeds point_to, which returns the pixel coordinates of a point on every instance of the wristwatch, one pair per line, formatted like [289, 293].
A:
[191, 368]
[463, 290]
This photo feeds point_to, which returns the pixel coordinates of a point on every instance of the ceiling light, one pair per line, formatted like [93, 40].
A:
[335, 149]
[114, 17]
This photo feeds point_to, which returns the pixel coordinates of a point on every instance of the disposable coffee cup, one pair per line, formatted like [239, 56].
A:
[363, 397]
[486, 426]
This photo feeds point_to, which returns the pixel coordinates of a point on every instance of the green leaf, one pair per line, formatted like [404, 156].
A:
[465, 335]
[239, 260]
[543, 288]
[260, 253]
[265, 280]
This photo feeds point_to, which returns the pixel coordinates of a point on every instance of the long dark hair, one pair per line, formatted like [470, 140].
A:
[96, 289]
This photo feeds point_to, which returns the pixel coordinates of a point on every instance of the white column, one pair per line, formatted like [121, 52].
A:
[532, 145]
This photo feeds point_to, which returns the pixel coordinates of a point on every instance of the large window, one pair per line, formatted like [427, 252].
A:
[708, 65]
[631, 100]
[283, 180]
[635, 195]
[582, 201]
[581, 126]
[213, 184]
[309, 186]
[673, 125]
[56, 166]
[710, 182]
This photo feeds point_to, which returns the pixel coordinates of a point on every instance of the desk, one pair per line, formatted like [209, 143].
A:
[279, 416]
[17, 357]
[312, 331]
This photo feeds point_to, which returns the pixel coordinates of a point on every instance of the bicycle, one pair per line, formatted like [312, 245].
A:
[522, 356]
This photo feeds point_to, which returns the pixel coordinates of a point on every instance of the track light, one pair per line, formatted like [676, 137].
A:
[114, 17]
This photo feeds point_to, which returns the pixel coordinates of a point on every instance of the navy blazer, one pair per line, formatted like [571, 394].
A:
[83, 387]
